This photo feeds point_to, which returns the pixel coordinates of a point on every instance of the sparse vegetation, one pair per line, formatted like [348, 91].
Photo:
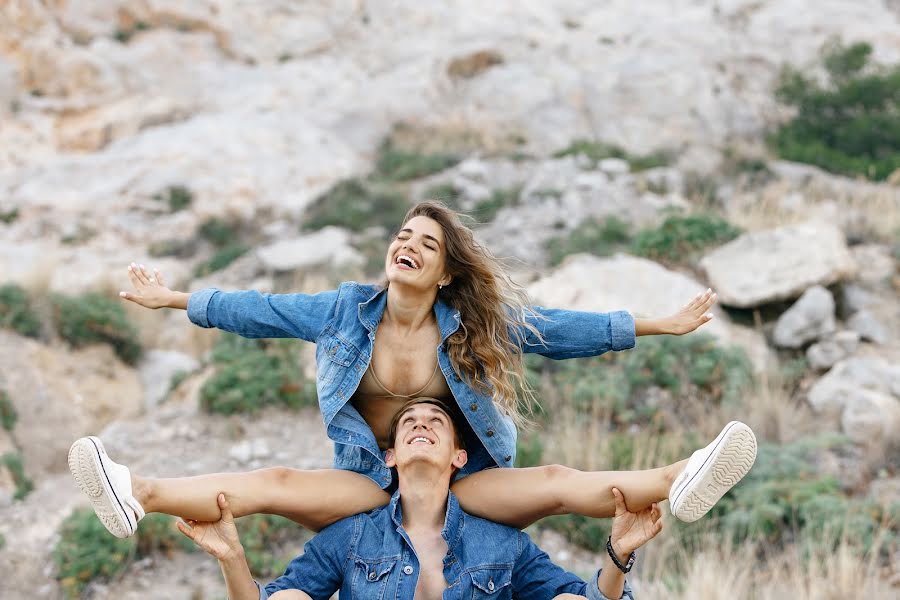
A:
[123, 35]
[597, 151]
[681, 236]
[13, 463]
[9, 216]
[94, 318]
[602, 238]
[8, 414]
[218, 232]
[847, 124]
[221, 259]
[16, 312]
[399, 164]
[172, 247]
[252, 374]
[177, 197]
[487, 209]
[263, 536]
[358, 204]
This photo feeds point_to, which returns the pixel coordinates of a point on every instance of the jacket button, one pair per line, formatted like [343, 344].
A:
[407, 570]
[372, 576]
[490, 433]
[507, 458]
[473, 406]
[490, 585]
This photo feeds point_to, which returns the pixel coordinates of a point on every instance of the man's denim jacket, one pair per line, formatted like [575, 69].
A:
[369, 556]
[343, 324]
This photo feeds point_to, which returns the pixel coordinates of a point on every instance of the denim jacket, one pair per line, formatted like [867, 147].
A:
[343, 324]
[370, 556]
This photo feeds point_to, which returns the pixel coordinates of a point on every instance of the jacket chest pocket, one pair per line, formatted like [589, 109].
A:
[334, 356]
[491, 582]
[371, 577]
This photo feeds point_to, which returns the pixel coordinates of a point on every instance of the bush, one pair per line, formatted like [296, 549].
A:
[848, 124]
[221, 259]
[582, 531]
[262, 535]
[16, 312]
[529, 449]
[487, 209]
[9, 216]
[218, 232]
[358, 204]
[397, 164]
[8, 415]
[600, 238]
[253, 374]
[172, 247]
[177, 197]
[94, 318]
[13, 462]
[86, 552]
[597, 151]
[681, 236]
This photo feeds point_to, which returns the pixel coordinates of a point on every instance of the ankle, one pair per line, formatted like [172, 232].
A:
[671, 473]
[142, 491]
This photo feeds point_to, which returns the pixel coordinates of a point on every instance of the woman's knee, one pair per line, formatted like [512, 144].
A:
[298, 595]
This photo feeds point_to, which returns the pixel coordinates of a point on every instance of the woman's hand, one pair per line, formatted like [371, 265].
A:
[694, 314]
[219, 538]
[149, 290]
[631, 530]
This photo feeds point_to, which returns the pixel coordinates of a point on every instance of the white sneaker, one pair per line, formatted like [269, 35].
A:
[107, 485]
[712, 471]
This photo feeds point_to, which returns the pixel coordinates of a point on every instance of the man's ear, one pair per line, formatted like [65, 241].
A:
[460, 460]
[389, 458]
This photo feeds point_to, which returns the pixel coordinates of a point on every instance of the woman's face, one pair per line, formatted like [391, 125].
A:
[416, 256]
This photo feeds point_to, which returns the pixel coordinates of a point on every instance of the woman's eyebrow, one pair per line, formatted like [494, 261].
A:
[425, 235]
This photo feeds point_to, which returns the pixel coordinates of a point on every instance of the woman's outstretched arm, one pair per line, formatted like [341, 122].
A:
[694, 314]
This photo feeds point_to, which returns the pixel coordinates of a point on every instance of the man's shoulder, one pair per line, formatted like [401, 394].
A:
[497, 531]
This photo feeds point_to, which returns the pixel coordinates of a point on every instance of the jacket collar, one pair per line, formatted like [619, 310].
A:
[371, 311]
[452, 521]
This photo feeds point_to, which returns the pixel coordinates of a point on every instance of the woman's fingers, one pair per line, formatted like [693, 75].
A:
[135, 279]
[158, 277]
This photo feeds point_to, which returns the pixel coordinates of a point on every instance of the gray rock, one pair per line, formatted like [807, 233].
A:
[614, 166]
[855, 298]
[823, 355]
[865, 394]
[868, 327]
[777, 264]
[328, 246]
[807, 320]
[156, 372]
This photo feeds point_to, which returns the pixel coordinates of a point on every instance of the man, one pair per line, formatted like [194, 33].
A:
[422, 545]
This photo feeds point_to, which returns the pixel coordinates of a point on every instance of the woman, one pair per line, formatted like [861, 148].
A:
[446, 292]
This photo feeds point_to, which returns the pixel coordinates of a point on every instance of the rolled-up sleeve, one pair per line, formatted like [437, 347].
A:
[594, 593]
[252, 314]
[577, 334]
[536, 576]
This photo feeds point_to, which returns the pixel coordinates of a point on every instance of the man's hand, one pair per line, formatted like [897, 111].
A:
[631, 530]
[218, 538]
[149, 290]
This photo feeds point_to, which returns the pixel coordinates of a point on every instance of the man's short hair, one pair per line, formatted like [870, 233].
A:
[451, 411]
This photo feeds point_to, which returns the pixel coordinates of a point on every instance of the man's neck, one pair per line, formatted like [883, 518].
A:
[423, 499]
[408, 309]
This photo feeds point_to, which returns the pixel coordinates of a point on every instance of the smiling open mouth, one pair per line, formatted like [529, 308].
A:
[403, 259]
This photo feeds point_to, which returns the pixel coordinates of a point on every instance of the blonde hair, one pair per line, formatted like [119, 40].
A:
[486, 350]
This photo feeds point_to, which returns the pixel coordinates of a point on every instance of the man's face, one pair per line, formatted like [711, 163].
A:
[425, 433]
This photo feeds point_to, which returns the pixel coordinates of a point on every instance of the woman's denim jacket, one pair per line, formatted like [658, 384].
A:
[343, 323]
[370, 556]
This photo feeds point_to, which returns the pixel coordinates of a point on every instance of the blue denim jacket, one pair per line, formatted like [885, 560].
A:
[370, 556]
[343, 324]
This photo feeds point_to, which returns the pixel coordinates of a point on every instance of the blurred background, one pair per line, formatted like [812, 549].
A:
[618, 154]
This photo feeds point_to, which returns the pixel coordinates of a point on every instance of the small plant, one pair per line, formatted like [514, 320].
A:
[218, 232]
[221, 259]
[529, 449]
[177, 197]
[358, 204]
[849, 124]
[172, 247]
[261, 535]
[9, 216]
[13, 462]
[123, 35]
[681, 236]
[487, 209]
[16, 312]
[444, 192]
[94, 318]
[397, 164]
[8, 414]
[597, 151]
[253, 374]
[600, 238]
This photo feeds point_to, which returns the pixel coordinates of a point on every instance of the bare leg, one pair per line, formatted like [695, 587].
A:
[315, 499]
[519, 497]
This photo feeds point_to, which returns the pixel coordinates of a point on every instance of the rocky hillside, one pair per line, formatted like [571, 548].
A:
[614, 152]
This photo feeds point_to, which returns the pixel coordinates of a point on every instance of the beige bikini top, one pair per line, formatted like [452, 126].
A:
[395, 395]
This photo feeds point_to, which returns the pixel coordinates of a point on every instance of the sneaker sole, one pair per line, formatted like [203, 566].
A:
[87, 459]
[732, 456]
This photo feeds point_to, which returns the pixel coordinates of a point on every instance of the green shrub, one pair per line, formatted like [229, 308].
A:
[849, 123]
[177, 197]
[123, 35]
[398, 164]
[262, 536]
[681, 236]
[597, 151]
[16, 312]
[358, 204]
[94, 318]
[218, 232]
[221, 259]
[2, 541]
[9, 216]
[86, 552]
[487, 209]
[13, 462]
[253, 374]
[172, 247]
[602, 238]
[529, 449]
[582, 531]
[8, 415]
[444, 192]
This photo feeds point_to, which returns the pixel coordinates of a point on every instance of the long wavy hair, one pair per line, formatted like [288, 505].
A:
[486, 350]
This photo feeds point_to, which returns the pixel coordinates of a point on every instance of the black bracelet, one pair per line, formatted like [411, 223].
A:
[615, 559]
